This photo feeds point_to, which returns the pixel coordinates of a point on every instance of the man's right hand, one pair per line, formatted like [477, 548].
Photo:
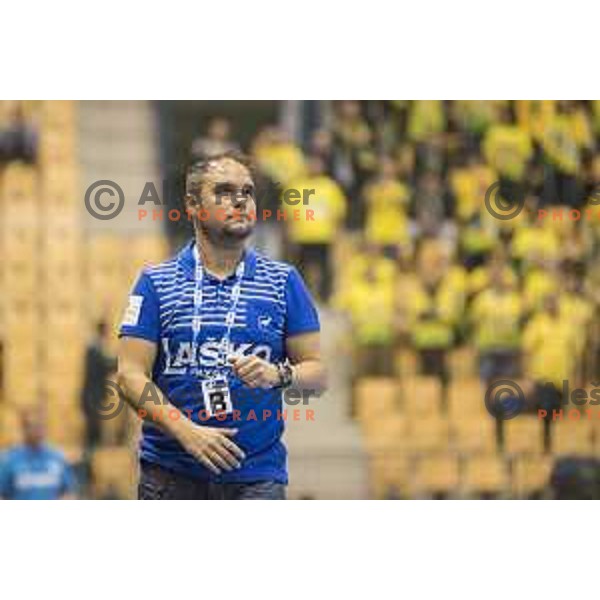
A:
[211, 446]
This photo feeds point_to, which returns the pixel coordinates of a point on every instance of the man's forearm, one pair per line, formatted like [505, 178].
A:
[141, 393]
[309, 375]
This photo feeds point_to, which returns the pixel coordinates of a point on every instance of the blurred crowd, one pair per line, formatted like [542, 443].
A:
[403, 243]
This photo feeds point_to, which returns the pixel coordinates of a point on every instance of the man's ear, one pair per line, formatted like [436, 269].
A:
[191, 202]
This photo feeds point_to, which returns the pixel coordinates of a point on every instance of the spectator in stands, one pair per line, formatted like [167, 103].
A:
[577, 308]
[426, 127]
[387, 207]
[98, 366]
[566, 136]
[216, 141]
[477, 240]
[434, 308]
[354, 157]
[368, 294]
[496, 314]
[480, 278]
[474, 117]
[469, 184]
[269, 233]
[592, 181]
[429, 228]
[405, 164]
[35, 470]
[550, 343]
[18, 141]
[426, 120]
[592, 290]
[277, 156]
[535, 241]
[540, 279]
[508, 149]
[432, 197]
[314, 233]
[321, 144]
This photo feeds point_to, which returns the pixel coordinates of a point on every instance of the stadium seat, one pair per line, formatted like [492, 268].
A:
[485, 475]
[376, 397]
[463, 362]
[58, 114]
[148, 248]
[24, 213]
[113, 473]
[523, 434]
[421, 395]
[69, 382]
[65, 425]
[57, 148]
[435, 475]
[406, 362]
[66, 270]
[572, 438]
[18, 242]
[18, 277]
[386, 435]
[22, 387]
[474, 434]
[466, 397]
[530, 475]
[10, 425]
[21, 319]
[428, 434]
[61, 243]
[389, 475]
[20, 356]
[19, 183]
[101, 282]
[60, 188]
[104, 250]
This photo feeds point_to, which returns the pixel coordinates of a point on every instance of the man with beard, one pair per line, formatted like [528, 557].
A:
[208, 342]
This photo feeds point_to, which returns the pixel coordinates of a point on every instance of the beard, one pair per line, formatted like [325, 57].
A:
[228, 232]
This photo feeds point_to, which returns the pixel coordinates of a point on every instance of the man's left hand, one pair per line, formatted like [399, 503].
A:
[255, 372]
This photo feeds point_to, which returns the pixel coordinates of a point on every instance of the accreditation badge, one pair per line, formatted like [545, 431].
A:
[217, 396]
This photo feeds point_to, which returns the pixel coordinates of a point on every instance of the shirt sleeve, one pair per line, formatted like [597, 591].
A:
[5, 478]
[68, 483]
[302, 316]
[142, 316]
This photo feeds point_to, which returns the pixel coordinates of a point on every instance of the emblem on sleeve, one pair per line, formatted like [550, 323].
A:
[133, 310]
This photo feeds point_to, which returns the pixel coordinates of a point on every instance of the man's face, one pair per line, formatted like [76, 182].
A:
[33, 430]
[227, 207]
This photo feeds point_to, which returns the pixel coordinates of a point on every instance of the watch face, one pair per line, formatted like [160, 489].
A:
[287, 375]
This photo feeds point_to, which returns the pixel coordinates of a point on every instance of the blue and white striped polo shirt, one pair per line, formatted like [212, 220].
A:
[273, 304]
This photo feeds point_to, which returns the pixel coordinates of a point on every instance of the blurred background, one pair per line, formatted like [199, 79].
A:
[427, 299]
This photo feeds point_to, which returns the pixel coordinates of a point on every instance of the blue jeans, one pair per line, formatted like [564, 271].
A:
[157, 483]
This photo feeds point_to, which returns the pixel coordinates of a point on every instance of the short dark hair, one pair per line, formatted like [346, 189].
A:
[196, 171]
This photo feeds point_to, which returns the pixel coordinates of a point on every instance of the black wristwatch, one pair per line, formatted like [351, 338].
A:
[286, 374]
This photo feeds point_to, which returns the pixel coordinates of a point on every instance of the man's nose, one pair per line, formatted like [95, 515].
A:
[240, 199]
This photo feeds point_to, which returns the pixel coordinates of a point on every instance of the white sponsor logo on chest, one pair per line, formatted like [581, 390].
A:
[182, 356]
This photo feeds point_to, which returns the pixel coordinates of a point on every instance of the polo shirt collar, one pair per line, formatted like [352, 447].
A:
[187, 261]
